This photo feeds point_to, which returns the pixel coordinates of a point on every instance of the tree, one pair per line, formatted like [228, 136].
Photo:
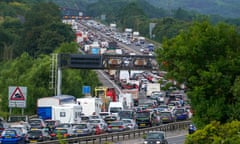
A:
[206, 58]
[216, 133]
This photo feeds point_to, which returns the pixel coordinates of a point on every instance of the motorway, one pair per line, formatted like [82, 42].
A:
[175, 137]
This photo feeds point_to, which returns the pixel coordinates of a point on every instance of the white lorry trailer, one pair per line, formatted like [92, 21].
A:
[90, 105]
[152, 87]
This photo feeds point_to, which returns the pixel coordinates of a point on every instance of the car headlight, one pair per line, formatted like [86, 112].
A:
[145, 142]
[158, 142]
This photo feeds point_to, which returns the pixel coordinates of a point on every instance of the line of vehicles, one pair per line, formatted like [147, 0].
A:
[106, 111]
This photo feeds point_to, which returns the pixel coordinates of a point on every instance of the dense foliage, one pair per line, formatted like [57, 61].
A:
[206, 58]
[216, 133]
[29, 34]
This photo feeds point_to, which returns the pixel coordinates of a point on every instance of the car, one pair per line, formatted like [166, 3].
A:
[101, 122]
[63, 132]
[37, 123]
[52, 124]
[109, 119]
[12, 136]
[82, 129]
[130, 123]
[155, 137]
[162, 108]
[167, 117]
[98, 129]
[85, 118]
[191, 128]
[37, 135]
[181, 114]
[22, 128]
[117, 126]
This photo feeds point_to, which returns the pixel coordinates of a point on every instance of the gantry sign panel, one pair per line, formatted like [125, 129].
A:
[106, 61]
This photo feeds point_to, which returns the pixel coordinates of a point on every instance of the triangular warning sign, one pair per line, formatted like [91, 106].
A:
[17, 94]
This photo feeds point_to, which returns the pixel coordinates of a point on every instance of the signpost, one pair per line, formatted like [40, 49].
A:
[17, 97]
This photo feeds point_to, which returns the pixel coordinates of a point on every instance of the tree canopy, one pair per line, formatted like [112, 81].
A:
[206, 57]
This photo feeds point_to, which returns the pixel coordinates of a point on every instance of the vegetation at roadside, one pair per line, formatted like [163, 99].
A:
[29, 34]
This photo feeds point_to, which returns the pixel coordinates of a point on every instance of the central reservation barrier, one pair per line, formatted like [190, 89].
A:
[120, 136]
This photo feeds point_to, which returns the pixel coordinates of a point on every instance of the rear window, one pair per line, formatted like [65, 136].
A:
[50, 123]
[35, 133]
[116, 123]
[9, 132]
[61, 131]
[80, 126]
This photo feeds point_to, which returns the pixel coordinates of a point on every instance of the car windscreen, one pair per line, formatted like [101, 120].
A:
[154, 136]
[142, 114]
[125, 114]
[35, 133]
[115, 109]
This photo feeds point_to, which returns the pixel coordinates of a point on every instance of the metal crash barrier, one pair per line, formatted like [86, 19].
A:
[126, 135]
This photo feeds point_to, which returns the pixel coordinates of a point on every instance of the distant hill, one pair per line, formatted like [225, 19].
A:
[225, 8]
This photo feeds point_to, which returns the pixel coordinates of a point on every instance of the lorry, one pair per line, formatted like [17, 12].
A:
[67, 113]
[90, 105]
[107, 95]
[45, 105]
[127, 100]
[115, 107]
[134, 93]
[152, 87]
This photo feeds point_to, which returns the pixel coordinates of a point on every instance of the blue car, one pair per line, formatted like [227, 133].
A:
[12, 136]
[192, 128]
[181, 114]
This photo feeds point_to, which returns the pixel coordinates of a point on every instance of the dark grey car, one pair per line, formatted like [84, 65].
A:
[156, 137]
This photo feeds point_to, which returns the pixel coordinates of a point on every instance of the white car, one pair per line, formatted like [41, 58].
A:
[130, 123]
[22, 128]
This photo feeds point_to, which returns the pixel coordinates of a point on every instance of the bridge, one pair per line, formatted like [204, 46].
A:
[107, 61]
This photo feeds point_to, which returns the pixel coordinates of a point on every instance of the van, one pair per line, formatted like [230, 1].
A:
[115, 107]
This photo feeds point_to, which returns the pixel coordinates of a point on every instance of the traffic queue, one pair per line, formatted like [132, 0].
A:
[65, 116]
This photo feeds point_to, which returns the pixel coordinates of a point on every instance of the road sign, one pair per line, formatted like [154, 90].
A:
[17, 96]
[86, 90]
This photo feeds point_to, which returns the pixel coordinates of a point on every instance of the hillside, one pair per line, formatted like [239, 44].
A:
[225, 8]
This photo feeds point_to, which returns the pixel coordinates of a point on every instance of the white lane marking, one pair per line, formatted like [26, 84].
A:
[110, 81]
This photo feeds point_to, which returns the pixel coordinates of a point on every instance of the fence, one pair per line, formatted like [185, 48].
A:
[118, 136]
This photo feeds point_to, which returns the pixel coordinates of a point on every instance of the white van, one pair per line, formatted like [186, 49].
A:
[115, 107]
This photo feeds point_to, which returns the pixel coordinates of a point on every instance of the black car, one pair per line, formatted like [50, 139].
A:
[156, 137]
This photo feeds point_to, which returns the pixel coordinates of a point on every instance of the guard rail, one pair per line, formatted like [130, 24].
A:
[120, 136]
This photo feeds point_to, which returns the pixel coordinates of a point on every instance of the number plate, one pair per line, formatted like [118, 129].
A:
[142, 124]
[33, 141]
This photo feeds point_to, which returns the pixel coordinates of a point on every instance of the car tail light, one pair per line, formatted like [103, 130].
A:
[52, 134]
[121, 126]
[109, 126]
[65, 135]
